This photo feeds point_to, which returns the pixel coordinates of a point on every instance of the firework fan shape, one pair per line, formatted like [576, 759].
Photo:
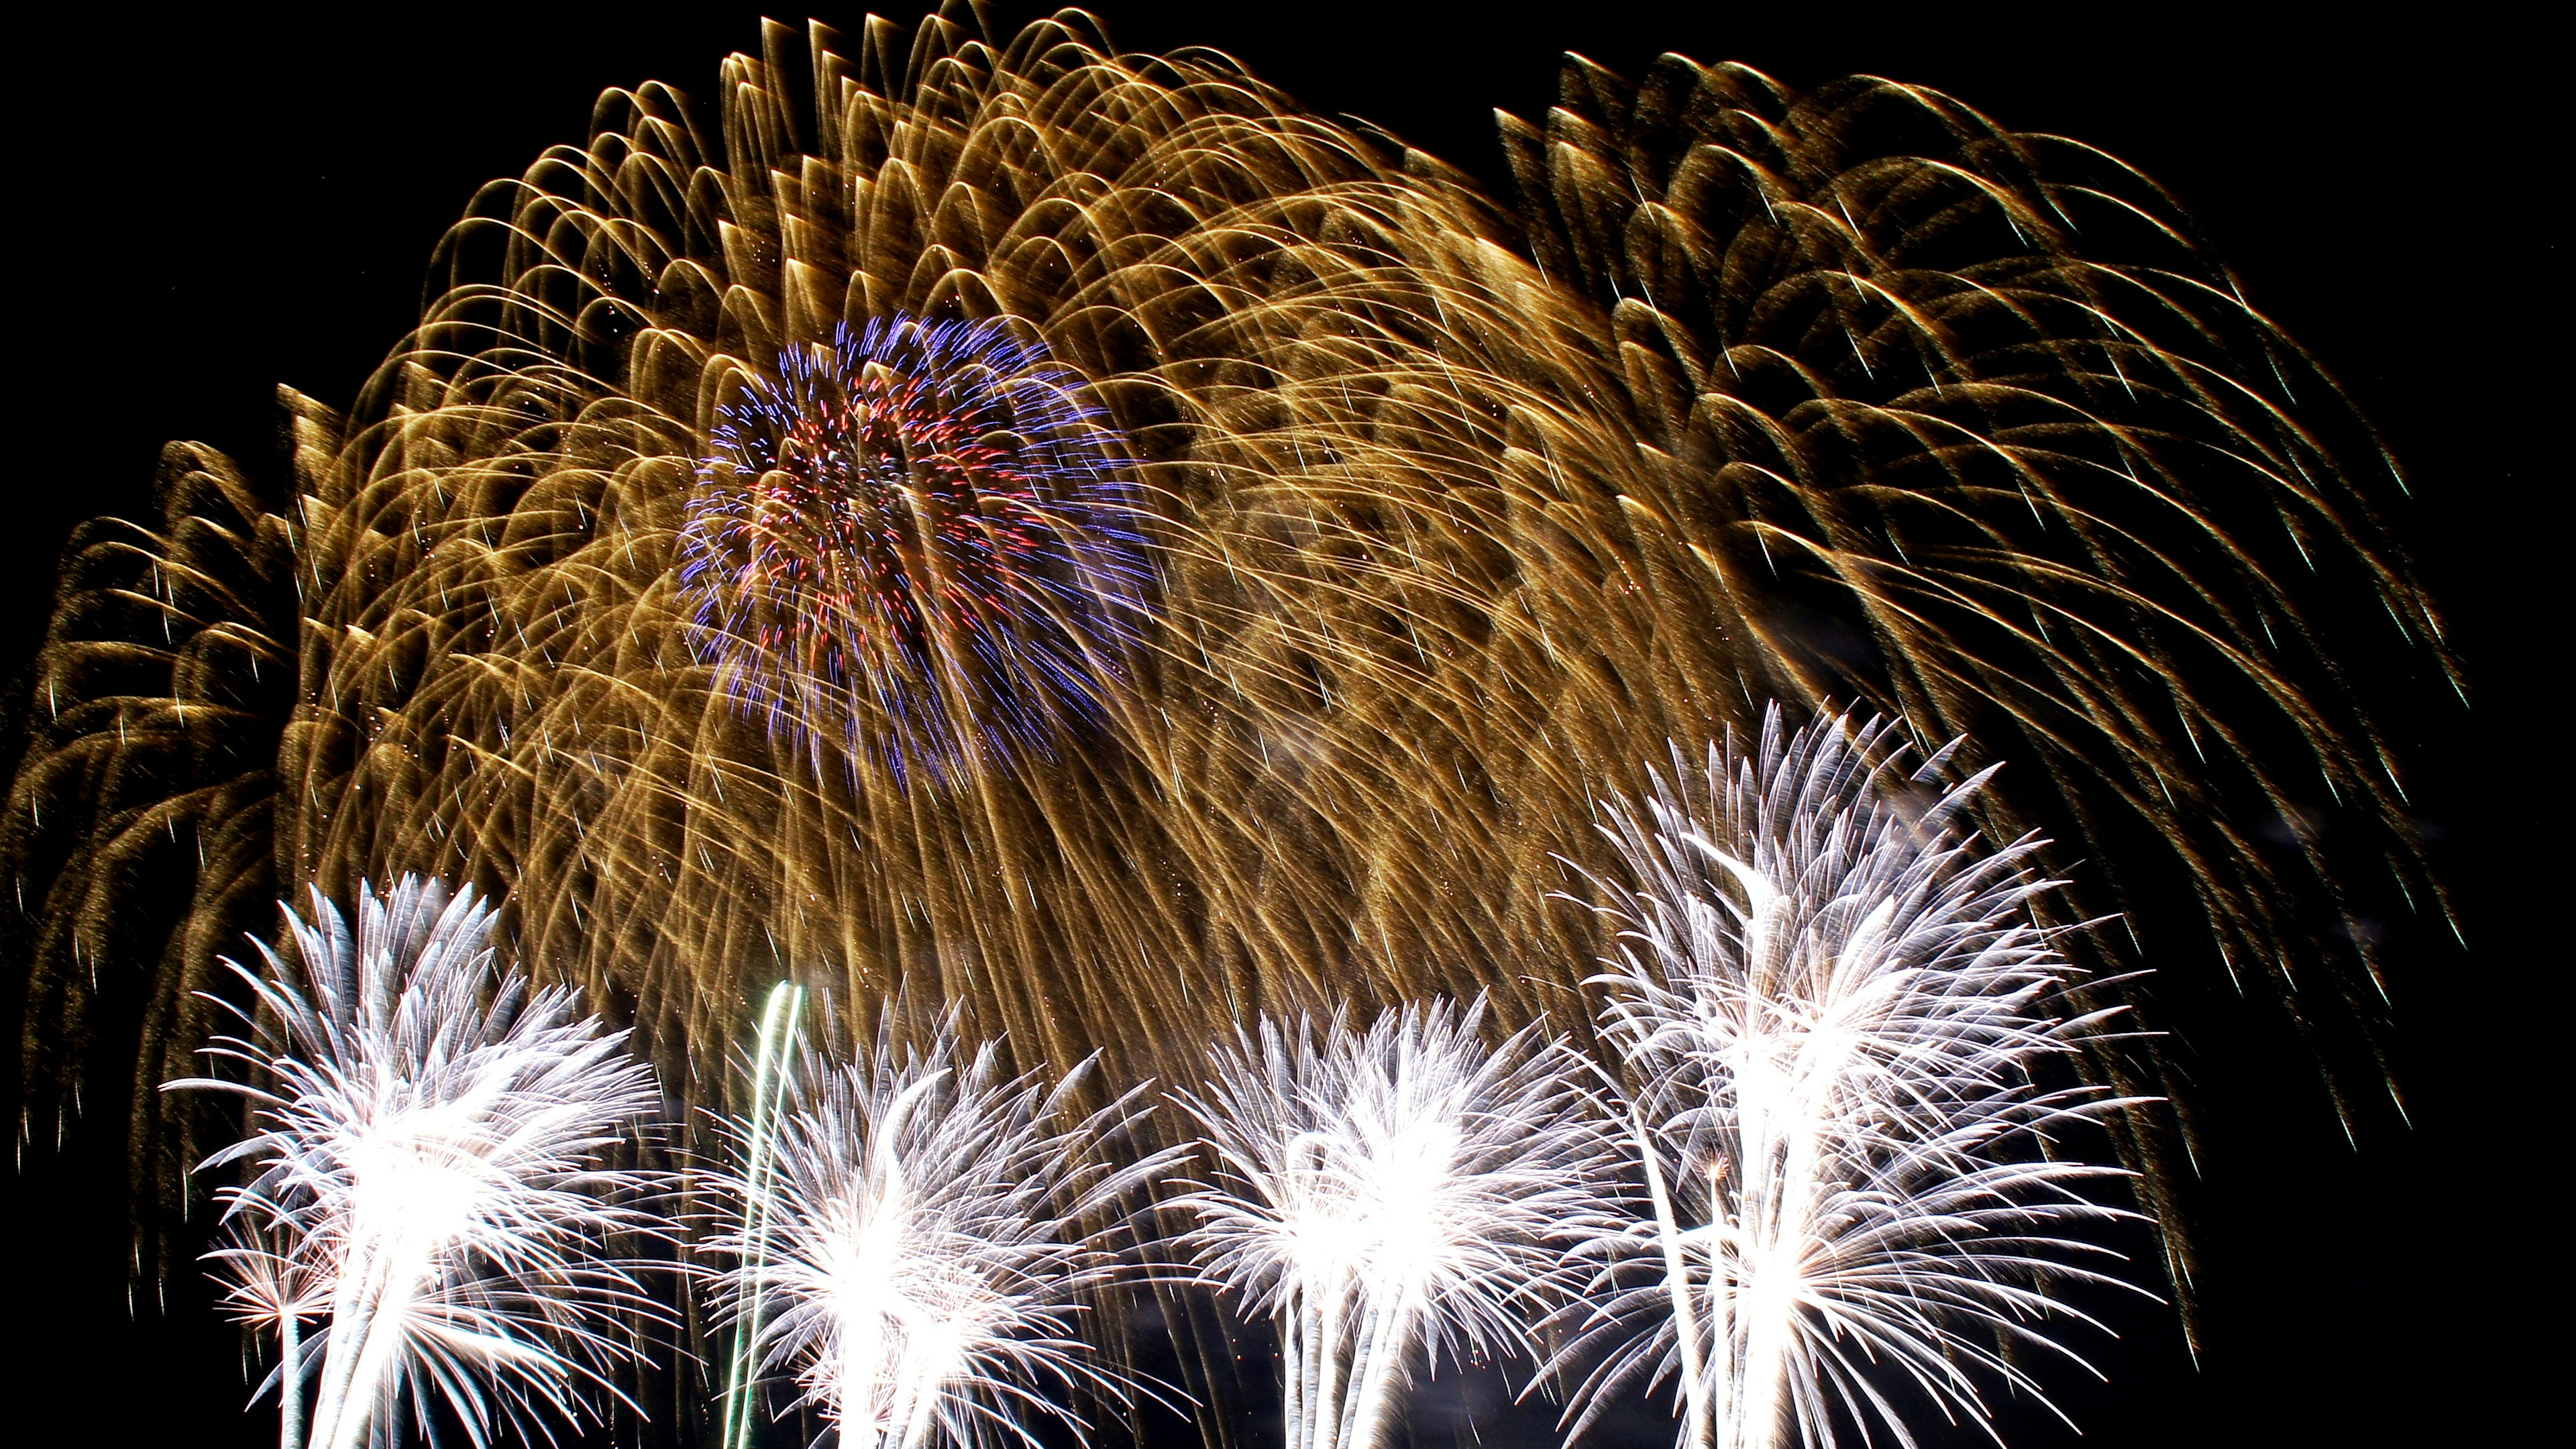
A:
[1834, 1013]
[1391, 1188]
[429, 1171]
[923, 1253]
[912, 540]
[1455, 508]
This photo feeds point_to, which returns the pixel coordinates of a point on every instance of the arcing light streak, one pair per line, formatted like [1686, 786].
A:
[931, 1231]
[771, 1079]
[1399, 1187]
[428, 1167]
[1834, 1015]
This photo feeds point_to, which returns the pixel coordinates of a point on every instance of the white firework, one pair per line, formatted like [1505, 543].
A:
[428, 1174]
[1399, 1186]
[272, 1283]
[922, 1238]
[1829, 1008]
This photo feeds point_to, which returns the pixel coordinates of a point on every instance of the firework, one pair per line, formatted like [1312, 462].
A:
[427, 1174]
[1833, 1012]
[1352, 531]
[771, 1077]
[1397, 1187]
[917, 534]
[274, 1281]
[922, 1237]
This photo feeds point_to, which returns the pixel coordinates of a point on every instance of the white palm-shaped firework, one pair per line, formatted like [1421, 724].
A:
[428, 1173]
[1397, 1186]
[1829, 1008]
[272, 1284]
[923, 1240]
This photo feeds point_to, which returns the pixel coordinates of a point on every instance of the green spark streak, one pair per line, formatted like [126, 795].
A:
[769, 1079]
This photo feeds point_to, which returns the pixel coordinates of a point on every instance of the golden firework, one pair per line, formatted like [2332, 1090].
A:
[1452, 515]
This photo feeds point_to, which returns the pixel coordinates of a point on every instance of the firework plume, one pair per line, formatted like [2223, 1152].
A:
[998, 520]
[1399, 1187]
[274, 1279]
[921, 1247]
[428, 1174]
[1834, 1013]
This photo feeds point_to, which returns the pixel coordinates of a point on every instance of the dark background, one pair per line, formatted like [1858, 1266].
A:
[207, 207]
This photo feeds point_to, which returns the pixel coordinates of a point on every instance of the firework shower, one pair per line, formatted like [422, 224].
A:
[1068, 555]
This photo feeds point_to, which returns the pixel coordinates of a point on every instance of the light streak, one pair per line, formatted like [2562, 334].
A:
[770, 1081]
[1450, 519]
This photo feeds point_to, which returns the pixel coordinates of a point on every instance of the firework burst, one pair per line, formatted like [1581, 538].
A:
[428, 1174]
[273, 1281]
[914, 537]
[1832, 1011]
[921, 1246]
[1444, 510]
[1397, 1189]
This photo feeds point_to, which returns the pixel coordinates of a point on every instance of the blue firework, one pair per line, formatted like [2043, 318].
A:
[917, 544]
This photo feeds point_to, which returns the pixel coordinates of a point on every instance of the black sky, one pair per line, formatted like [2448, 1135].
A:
[209, 206]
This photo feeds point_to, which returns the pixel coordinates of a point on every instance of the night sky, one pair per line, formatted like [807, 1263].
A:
[207, 209]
